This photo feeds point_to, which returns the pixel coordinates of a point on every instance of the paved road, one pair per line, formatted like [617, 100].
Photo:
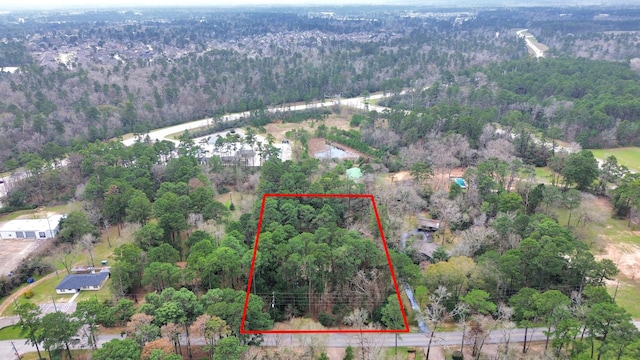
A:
[161, 134]
[333, 340]
[536, 50]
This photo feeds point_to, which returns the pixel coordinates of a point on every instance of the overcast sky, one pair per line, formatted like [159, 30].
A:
[59, 4]
[49, 4]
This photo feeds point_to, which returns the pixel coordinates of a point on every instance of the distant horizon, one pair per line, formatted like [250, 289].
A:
[124, 4]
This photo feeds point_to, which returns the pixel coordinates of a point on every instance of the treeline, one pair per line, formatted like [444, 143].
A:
[509, 246]
[154, 330]
[578, 100]
[593, 102]
[136, 96]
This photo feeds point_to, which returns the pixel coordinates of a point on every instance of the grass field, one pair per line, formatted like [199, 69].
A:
[629, 156]
[612, 239]
[543, 175]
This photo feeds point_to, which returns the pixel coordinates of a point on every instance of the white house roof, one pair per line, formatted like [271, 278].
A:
[50, 223]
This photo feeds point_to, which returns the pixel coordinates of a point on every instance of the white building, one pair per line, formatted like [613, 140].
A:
[31, 228]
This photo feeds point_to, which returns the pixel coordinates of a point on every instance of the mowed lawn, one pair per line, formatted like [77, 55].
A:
[629, 156]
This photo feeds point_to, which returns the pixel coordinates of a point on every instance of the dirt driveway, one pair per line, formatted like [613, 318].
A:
[12, 251]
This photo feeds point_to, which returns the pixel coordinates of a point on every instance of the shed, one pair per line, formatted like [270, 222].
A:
[425, 224]
[354, 173]
[72, 284]
[31, 228]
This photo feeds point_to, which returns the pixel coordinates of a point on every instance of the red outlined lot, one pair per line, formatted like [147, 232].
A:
[386, 250]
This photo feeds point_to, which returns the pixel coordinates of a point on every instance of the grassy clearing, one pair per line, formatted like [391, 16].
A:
[626, 295]
[543, 175]
[242, 201]
[629, 156]
[127, 136]
[614, 240]
[34, 214]
[617, 231]
[10, 333]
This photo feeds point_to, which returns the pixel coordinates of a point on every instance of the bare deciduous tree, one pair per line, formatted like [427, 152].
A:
[448, 211]
[172, 332]
[501, 149]
[369, 345]
[473, 239]
[64, 254]
[313, 344]
[436, 312]
[369, 288]
[87, 243]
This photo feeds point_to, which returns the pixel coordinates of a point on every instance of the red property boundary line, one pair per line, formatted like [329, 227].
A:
[386, 251]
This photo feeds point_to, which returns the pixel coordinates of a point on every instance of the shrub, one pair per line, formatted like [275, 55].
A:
[28, 294]
[327, 320]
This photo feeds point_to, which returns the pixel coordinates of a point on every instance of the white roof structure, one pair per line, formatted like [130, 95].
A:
[47, 224]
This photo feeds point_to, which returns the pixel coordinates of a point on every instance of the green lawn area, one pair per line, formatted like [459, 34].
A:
[102, 294]
[10, 333]
[543, 175]
[629, 156]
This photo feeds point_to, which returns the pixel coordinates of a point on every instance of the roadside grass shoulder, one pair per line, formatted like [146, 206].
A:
[10, 333]
[77, 355]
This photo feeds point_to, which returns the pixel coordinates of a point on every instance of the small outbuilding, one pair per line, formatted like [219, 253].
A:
[430, 225]
[31, 228]
[74, 283]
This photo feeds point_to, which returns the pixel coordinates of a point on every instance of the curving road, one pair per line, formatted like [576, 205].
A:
[539, 53]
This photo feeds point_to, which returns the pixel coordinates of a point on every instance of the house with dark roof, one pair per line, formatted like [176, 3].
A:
[74, 283]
